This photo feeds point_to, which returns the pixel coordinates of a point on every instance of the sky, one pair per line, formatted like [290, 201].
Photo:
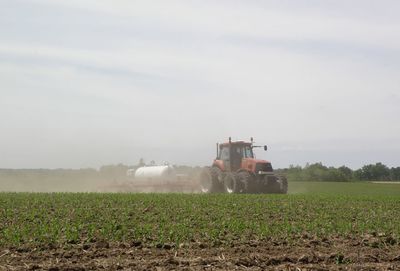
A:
[84, 83]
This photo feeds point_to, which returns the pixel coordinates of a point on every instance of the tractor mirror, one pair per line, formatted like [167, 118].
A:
[265, 148]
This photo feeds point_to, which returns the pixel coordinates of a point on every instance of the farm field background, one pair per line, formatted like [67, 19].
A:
[323, 224]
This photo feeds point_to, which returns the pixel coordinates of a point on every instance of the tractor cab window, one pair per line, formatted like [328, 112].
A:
[237, 152]
[236, 157]
[247, 152]
[224, 154]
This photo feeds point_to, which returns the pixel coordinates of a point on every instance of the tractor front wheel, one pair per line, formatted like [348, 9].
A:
[230, 183]
[210, 180]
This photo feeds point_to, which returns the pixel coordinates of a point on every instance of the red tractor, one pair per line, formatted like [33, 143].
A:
[236, 170]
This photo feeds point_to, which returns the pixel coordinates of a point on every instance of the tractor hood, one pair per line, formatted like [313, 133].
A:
[256, 165]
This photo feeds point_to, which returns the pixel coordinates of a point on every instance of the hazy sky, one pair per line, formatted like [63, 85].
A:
[91, 82]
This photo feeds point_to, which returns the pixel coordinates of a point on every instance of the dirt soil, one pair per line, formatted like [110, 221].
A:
[308, 254]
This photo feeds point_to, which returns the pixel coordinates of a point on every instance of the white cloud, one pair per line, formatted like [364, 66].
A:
[244, 19]
[179, 75]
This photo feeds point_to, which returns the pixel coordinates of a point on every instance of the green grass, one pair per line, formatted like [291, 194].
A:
[322, 209]
[345, 188]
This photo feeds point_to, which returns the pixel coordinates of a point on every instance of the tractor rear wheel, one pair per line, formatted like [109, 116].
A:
[210, 180]
[246, 182]
[284, 184]
[276, 184]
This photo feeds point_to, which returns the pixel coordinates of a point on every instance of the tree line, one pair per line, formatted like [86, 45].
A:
[322, 173]
[310, 172]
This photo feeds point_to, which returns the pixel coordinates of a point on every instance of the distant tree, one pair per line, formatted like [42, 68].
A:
[358, 174]
[377, 172]
[395, 173]
[318, 172]
[346, 172]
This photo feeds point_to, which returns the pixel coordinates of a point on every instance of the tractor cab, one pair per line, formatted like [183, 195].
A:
[231, 154]
[236, 155]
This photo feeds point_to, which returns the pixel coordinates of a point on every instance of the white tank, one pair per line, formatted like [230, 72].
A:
[155, 173]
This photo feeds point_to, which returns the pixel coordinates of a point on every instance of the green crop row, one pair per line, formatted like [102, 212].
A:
[62, 218]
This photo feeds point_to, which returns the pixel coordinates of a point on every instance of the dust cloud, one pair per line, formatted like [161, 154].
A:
[47, 181]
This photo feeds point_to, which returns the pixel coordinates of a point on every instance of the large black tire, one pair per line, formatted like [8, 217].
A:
[246, 182]
[230, 183]
[276, 184]
[210, 180]
[284, 185]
